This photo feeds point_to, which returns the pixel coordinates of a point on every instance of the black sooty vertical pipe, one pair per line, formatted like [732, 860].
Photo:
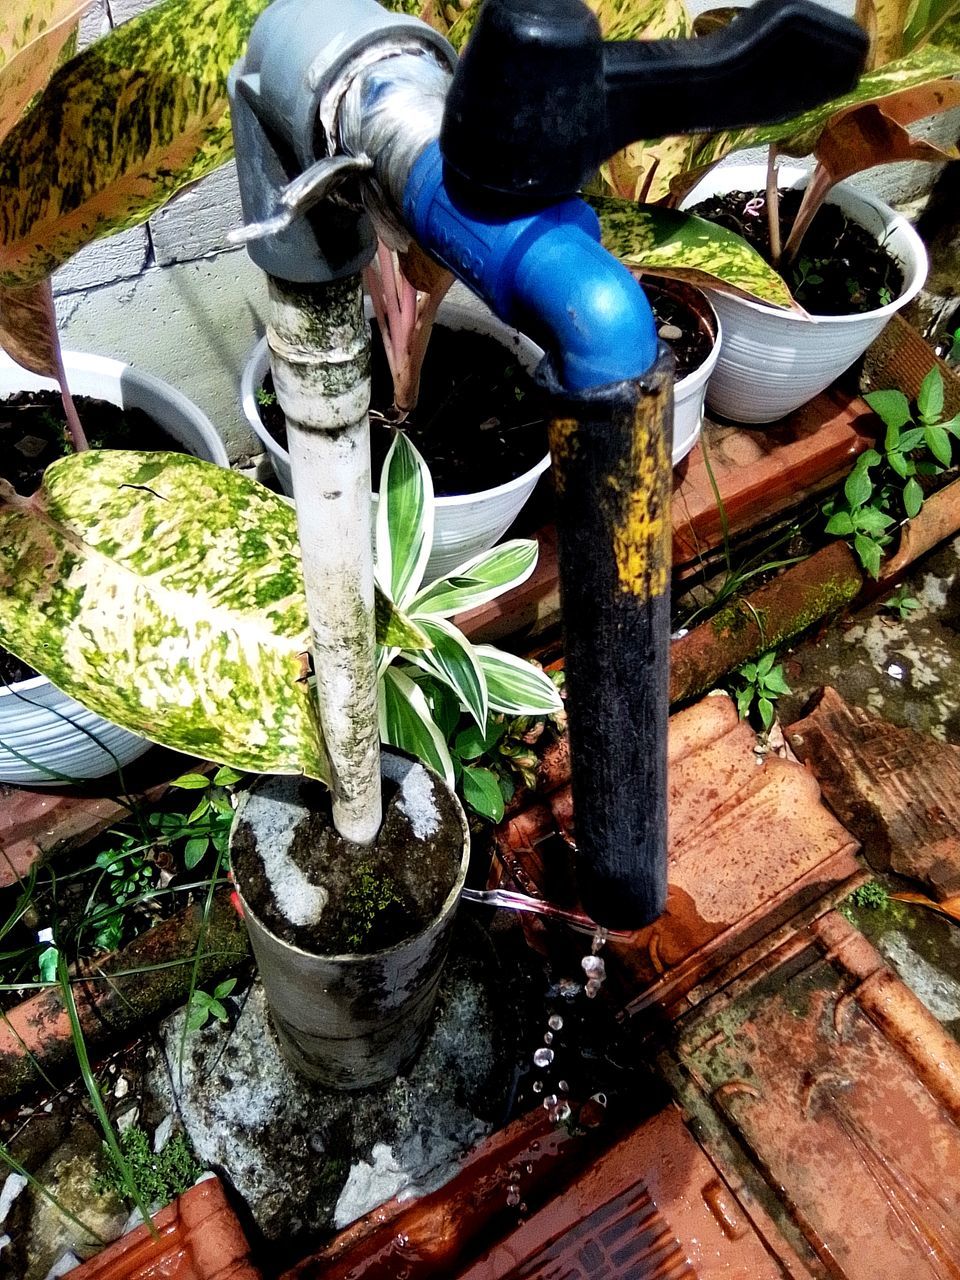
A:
[612, 470]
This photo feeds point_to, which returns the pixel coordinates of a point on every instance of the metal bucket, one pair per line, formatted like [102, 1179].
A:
[349, 1021]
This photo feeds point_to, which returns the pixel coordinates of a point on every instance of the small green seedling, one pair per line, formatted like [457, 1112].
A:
[953, 355]
[208, 824]
[883, 487]
[203, 1005]
[763, 683]
[264, 397]
[870, 897]
[901, 603]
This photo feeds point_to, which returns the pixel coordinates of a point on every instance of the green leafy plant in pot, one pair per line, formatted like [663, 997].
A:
[167, 594]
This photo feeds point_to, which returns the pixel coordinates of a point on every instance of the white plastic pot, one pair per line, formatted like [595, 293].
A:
[689, 393]
[465, 524]
[46, 737]
[771, 361]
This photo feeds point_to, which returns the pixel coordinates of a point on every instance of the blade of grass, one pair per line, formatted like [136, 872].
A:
[96, 1100]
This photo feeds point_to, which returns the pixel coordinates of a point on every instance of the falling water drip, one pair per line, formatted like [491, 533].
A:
[569, 989]
[599, 939]
[538, 1086]
[513, 1196]
[543, 1057]
[550, 1101]
[548, 1037]
[563, 1086]
[555, 1022]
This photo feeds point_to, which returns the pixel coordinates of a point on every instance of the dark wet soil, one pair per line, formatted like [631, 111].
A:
[841, 268]
[33, 433]
[379, 896]
[680, 329]
[479, 421]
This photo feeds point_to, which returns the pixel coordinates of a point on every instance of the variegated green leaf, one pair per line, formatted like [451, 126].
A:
[641, 19]
[453, 660]
[483, 578]
[933, 22]
[394, 629]
[404, 530]
[33, 35]
[669, 243]
[798, 137]
[166, 594]
[406, 722]
[516, 687]
[119, 130]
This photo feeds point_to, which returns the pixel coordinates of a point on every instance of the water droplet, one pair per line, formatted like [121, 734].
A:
[534, 1146]
[561, 1113]
[555, 1022]
[548, 1037]
[594, 967]
[538, 1086]
[513, 1196]
[569, 989]
[599, 939]
[599, 1098]
[542, 1057]
[592, 988]
[402, 1240]
[529, 1168]
[563, 1086]
[550, 1100]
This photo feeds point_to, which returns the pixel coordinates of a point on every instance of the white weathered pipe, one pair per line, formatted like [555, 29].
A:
[320, 356]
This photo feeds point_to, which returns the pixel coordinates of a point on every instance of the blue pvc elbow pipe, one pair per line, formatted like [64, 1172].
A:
[545, 273]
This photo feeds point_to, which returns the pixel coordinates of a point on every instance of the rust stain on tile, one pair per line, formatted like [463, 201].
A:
[845, 1091]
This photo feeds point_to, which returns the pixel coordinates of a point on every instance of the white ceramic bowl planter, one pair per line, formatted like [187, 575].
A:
[44, 735]
[772, 361]
[689, 392]
[467, 523]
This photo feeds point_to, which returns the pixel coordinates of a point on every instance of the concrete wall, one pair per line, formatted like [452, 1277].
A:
[171, 298]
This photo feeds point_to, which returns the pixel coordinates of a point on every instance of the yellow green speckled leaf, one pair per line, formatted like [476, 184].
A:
[33, 34]
[119, 130]
[798, 137]
[933, 22]
[669, 243]
[28, 327]
[165, 593]
[641, 19]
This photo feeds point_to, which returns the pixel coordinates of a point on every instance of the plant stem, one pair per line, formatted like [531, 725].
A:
[773, 206]
[78, 437]
[818, 188]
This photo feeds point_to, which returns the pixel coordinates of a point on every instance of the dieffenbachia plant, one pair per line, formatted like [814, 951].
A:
[98, 142]
[166, 594]
[482, 678]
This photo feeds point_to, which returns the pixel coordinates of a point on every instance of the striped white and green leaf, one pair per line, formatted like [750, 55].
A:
[516, 687]
[405, 514]
[484, 578]
[403, 538]
[406, 722]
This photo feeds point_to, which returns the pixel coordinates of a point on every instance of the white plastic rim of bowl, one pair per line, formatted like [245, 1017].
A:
[773, 361]
[46, 736]
[464, 524]
[689, 395]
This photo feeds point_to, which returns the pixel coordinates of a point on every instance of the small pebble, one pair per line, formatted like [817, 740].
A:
[670, 332]
[30, 446]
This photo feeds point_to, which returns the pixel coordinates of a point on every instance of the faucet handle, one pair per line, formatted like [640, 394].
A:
[540, 100]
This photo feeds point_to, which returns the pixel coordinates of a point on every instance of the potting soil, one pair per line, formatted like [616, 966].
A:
[320, 892]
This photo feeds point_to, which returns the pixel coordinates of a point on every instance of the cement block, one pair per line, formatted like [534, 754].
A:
[196, 222]
[116, 258]
[191, 323]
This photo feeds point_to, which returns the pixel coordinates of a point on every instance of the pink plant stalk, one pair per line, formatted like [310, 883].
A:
[405, 317]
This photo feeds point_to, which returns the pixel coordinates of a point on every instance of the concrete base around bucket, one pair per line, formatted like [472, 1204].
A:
[307, 1159]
